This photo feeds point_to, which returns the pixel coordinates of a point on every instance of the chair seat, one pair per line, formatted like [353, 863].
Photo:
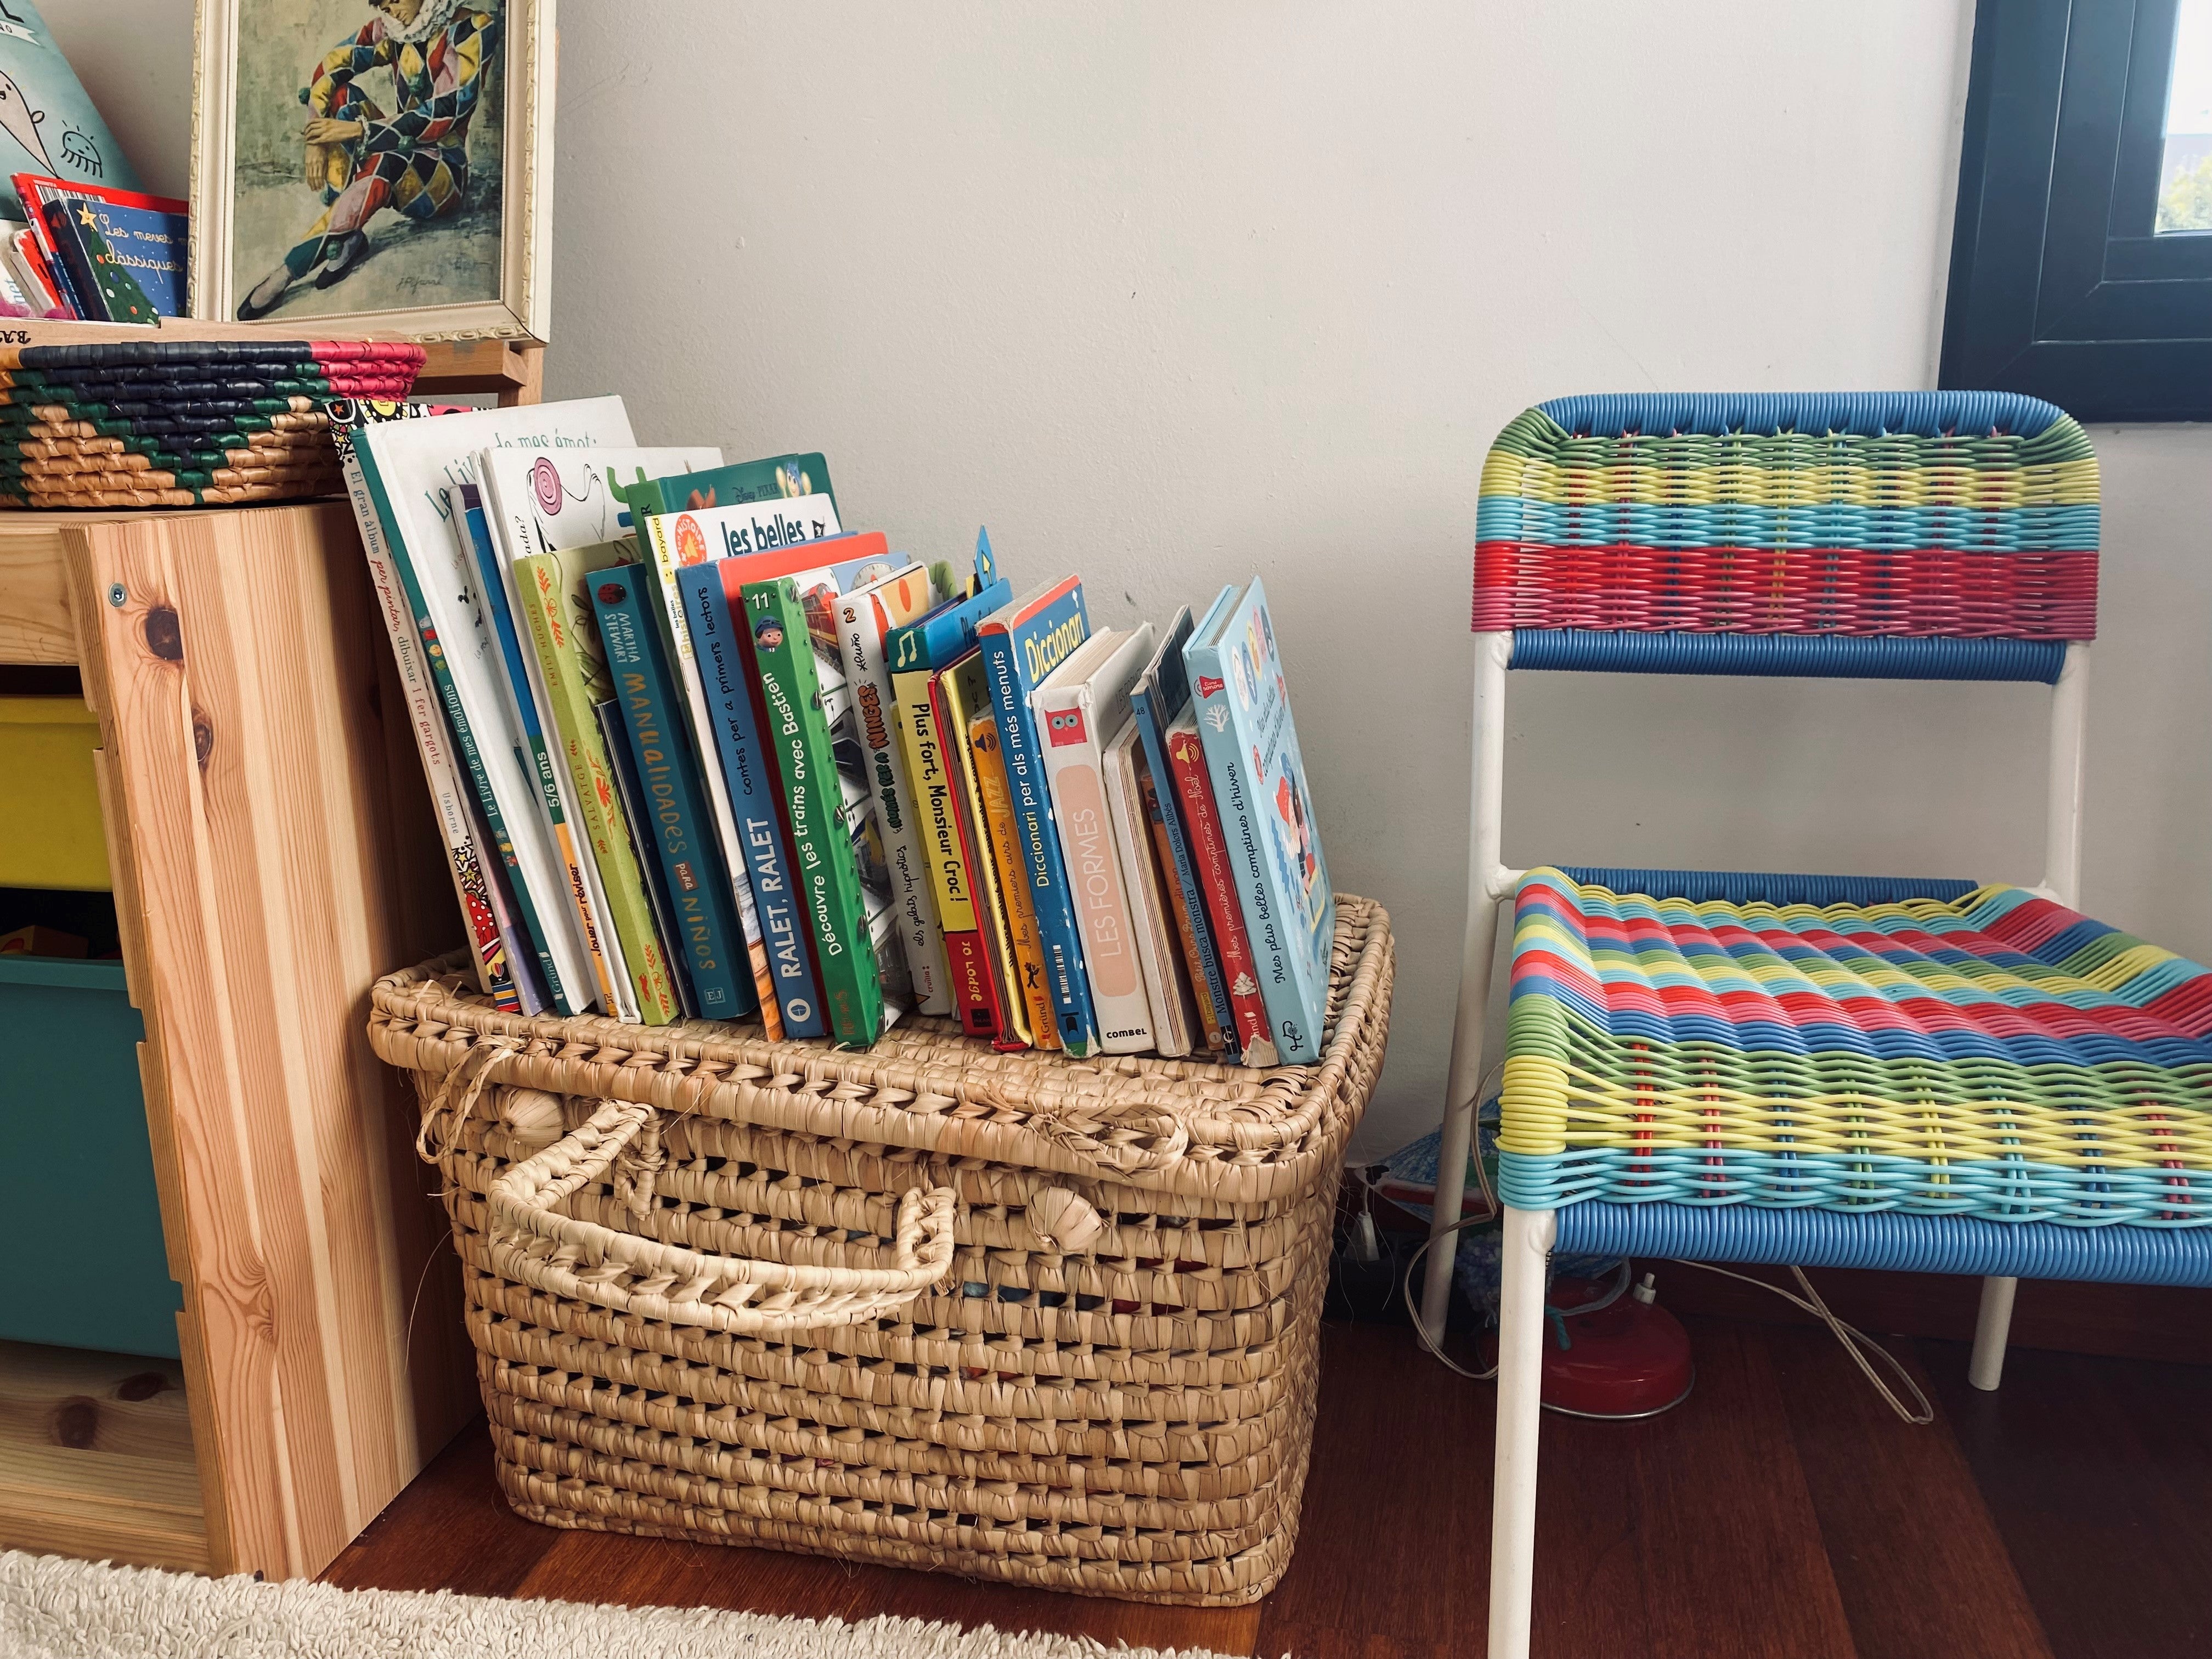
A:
[1987, 1055]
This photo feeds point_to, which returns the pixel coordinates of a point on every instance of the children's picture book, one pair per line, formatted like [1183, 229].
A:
[865, 618]
[916, 652]
[466, 506]
[962, 698]
[1174, 1019]
[614, 742]
[824, 864]
[147, 239]
[1157, 804]
[440, 770]
[544, 504]
[408, 466]
[1255, 1039]
[1022, 644]
[49, 122]
[682, 542]
[712, 942]
[778, 477]
[1002, 841]
[1251, 742]
[1156, 700]
[554, 590]
[1080, 709]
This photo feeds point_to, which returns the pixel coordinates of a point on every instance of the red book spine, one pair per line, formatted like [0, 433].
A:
[974, 982]
[1209, 850]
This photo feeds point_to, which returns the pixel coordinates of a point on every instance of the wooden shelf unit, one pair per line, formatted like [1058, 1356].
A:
[273, 853]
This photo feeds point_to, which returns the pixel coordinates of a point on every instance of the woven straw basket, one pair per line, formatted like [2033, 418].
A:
[1008, 1315]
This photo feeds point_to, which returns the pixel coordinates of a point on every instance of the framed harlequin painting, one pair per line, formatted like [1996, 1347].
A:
[387, 162]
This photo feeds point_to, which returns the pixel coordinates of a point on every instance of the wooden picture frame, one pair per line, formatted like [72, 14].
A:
[444, 234]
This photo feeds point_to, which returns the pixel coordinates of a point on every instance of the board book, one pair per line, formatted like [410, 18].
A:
[1156, 701]
[711, 939]
[1022, 644]
[962, 697]
[1251, 742]
[1080, 709]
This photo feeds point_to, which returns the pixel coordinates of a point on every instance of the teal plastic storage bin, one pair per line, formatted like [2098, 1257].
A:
[80, 1221]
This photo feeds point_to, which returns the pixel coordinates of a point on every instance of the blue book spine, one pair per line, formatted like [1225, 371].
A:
[680, 830]
[784, 927]
[1244, 724]
[1152, 722]
[1005, 664]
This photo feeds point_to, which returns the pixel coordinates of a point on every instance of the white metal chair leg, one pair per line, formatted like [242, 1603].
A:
[1991, 1326]
[1527, 1248]
[1487, 881]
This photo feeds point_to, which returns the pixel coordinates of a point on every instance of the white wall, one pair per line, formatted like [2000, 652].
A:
[1171, 294]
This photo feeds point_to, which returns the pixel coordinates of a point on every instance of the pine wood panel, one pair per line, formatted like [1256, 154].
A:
[96, 1457]
[238, 687]
[34, 618]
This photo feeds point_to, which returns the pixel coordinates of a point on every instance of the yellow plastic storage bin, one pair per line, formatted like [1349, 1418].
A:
[50, 829]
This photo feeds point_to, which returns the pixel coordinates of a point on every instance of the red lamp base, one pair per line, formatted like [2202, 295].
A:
[1625, 1359]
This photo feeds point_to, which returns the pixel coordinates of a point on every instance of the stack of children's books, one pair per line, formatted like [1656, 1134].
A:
[702, 748]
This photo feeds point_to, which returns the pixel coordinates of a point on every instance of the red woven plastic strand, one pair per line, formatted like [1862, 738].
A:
[1721, 590]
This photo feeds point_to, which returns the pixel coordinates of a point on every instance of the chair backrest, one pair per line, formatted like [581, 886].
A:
[1907, 535]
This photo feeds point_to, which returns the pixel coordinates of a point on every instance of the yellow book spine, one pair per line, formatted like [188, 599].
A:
[1006, 854]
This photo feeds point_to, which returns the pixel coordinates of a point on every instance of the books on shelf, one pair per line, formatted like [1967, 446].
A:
[699, 749]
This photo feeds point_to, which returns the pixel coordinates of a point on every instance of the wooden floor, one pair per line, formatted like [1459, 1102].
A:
[1781, 1510]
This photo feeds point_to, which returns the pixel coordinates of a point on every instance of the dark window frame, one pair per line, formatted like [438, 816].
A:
[2059, 287]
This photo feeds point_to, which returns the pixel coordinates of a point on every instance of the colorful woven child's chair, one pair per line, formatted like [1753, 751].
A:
[1821, 1070]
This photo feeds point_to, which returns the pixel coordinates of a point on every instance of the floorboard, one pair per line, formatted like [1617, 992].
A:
[1921, 1564]
[1781, 1510]
[2096, 1472]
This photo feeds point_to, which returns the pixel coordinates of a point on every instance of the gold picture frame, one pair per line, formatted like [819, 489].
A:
[426, 208]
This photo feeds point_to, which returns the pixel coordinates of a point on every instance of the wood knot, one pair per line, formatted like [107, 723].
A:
[76, 1423]
[203, 737]
[165, 633]
[143, 1386]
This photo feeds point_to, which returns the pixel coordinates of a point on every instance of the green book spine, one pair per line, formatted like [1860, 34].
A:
[548, 584]
[822, 847]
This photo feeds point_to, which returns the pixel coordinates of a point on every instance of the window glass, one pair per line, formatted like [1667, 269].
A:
[2184, 173]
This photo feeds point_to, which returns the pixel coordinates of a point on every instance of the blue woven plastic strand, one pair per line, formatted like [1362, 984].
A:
[1758, 887]
[1863, 414]
[1803, 656]
[1815, 525]
[1905, 1243]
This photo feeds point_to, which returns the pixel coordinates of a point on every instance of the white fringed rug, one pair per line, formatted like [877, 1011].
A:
[52, 1608]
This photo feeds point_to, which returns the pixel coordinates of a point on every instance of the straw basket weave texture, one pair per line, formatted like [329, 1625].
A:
[1013, 1317]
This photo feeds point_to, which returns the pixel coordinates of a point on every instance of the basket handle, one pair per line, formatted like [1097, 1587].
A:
[581, 1259]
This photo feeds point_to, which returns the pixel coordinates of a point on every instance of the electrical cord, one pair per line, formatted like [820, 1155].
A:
[1857, 1343]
